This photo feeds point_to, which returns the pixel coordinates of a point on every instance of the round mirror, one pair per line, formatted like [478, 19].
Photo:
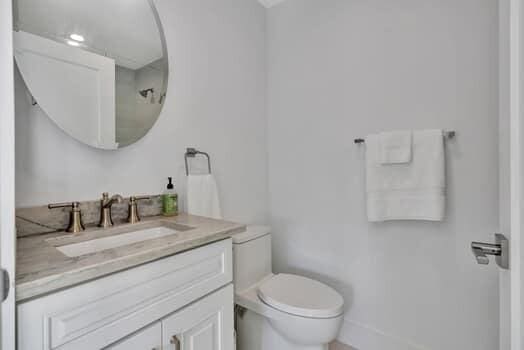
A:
[97, 68]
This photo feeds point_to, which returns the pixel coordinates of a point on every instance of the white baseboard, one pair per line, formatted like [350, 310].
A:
[363, 337]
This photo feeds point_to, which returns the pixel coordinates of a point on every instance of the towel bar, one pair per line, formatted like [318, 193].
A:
[446, 134]
[192, 153]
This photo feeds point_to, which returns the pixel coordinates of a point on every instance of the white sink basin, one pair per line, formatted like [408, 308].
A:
[100, 244]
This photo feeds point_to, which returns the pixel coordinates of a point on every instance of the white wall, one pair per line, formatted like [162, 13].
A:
[215, 101]
[340, 69]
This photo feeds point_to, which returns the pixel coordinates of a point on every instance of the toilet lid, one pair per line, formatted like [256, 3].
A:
[301, 296]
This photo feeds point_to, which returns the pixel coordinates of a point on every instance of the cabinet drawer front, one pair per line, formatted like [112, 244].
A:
[96, 314]
[146, 339]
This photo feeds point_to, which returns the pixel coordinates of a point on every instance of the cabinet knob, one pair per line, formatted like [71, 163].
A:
[176, 342]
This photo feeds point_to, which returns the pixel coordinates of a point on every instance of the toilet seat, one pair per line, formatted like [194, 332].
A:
[301, 296]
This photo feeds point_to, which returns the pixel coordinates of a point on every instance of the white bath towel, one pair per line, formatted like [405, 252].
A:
[395, 146]
[409, 191]
[202, 196]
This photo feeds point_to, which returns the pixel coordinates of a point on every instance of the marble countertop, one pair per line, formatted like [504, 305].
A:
[42, 269]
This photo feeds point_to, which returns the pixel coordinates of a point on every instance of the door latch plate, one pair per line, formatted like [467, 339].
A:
[5, 283]
[502, 259]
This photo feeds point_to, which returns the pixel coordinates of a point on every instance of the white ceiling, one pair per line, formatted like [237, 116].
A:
[125, 30]
[270, 3]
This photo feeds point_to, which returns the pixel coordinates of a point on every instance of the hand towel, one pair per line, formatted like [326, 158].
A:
[410, 191]
[395, 147]
[202, 196]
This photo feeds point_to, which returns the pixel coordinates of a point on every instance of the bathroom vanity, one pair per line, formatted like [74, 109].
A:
[98, 290]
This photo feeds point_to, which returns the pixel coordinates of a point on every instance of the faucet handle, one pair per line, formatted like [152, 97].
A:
[75, 216]
[132, 216]
[64, 205]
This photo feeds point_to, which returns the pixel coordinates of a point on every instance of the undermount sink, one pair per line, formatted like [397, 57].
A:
[115, 241]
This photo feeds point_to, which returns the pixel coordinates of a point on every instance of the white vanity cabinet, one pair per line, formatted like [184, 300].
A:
[184, 301]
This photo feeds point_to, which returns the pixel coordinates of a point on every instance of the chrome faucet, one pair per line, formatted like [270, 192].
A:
[106, 203]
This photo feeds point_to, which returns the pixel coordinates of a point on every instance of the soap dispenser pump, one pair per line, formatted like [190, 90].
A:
[170, 200]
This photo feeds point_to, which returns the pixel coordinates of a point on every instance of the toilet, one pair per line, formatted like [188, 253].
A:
[279, 311]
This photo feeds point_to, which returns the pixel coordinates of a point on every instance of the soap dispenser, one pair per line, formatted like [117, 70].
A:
[170, 200]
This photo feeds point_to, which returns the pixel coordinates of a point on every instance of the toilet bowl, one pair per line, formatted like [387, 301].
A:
[280, 311]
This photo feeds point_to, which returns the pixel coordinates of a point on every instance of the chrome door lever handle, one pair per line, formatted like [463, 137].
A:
[500, 250]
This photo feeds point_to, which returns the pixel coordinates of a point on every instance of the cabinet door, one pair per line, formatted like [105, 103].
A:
[146, 339]
[205, 325]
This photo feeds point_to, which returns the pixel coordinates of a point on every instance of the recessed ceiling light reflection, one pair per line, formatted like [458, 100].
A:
[77, 37]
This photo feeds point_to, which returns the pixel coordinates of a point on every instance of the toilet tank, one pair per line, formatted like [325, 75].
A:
[251, 256]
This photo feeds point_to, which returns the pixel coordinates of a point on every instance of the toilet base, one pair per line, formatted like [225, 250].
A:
[256, 333]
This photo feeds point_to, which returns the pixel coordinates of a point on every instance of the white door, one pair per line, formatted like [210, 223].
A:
[75, 88]
[146, 339]
[7, 176]
[204, 325]
[512, 170]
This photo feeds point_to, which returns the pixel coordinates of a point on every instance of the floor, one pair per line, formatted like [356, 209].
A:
[339, 346]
